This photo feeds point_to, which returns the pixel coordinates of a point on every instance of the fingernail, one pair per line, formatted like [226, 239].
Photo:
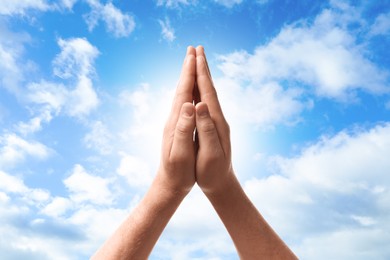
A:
[202, 111]
[188, 111]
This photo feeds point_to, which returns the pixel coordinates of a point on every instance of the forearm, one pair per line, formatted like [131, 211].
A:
[251, 234]
[137, 235]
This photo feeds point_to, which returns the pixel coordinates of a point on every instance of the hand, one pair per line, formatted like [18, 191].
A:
[213, 164]
[210, 165]
[177, 169]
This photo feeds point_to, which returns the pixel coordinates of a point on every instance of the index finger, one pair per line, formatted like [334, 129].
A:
[185, 87]
[206, 88]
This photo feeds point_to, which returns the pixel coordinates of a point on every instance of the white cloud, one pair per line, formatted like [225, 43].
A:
[33, 221]
[208, 236]
[88, 188]
[175, 3]
[98, 224]
[167, 32]
[14, 150]
[11, 183]
[83, 99]
[19, 7]
[8, 65]
[15, 186]
[76, 58]
[35, 123]
[381, 25]
[360, 243]
[334, 190]
[57, 207]
[47, 93]
[12, 65]
[364, 220]
[264, 105]
[322, 55]
[76, 63]
[228, 3]
[148, 109]
[68, 3]
[118, 23]
[99, 138]
[178, 3]
[139, 99]
[135, 170]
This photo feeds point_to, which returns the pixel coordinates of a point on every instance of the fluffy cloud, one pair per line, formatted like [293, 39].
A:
[167, 32]
[144, 123]
[14, 150]
[57, 207]
[85, 187]
[32, 220]
[228, 3]
[177, 3]
[264, 105]
[336, 189]
[208, 237]
[75, 96]
[11, 7]
[323, 55]
[35, 123]
[135, 170]
[75, 59]
[121, 25]
[11, 183]
[83, 99]
[174, 3]
[12, 68]
[68, 3]
[276, 82]
[75, 63]
[12, 187]
[381, 25]
[99, 138]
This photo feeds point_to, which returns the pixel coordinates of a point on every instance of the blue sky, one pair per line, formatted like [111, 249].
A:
[86, 86]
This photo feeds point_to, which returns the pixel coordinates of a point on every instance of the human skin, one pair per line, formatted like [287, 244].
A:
[136, 236]
[252, 235]
[206, 161]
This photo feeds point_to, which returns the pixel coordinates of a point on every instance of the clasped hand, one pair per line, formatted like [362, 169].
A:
[196, 141]
[202, 156]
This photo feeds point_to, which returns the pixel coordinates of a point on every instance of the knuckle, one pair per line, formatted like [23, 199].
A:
[183, 127]
[208, 127]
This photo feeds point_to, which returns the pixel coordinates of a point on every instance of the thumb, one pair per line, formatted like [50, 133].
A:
[207, 132]
[183, 142]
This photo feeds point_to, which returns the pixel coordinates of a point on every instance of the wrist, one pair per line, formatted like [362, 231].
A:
[167, 188]
[225, 185]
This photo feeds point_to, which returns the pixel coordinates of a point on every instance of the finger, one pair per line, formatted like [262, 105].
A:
[205, 85]
[208, 138]
[208, 95]
[183, 142]
[185, 87]
[184, 93]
